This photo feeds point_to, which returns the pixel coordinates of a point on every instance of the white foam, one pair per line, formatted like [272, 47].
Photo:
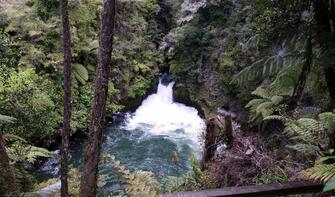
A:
[159, 115]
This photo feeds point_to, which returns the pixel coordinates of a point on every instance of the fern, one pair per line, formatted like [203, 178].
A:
[20, 152]
[140, 183]
[264, 106]
[328, 121]
[324, 173]
[276, 117]
[80, 73]
[8, 119]
[197, 179]
[290, 55]
[306, 134]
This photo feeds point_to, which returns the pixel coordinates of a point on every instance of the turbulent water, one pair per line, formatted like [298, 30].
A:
[146, 139]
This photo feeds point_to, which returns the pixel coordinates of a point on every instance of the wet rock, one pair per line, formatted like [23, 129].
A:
[166, 78]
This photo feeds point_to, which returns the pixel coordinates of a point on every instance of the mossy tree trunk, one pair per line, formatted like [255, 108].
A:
[306, 68]
[7, 170]
[89, 176]
[67, 99]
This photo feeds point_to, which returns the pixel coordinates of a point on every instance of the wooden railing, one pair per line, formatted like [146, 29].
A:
[275, 189]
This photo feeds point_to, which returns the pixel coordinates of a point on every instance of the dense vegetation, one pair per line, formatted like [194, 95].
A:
[269, 61]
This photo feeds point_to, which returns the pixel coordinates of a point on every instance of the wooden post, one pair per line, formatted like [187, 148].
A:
[229, 130]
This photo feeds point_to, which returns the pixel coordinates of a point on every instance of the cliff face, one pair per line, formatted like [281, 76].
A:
[201, 53]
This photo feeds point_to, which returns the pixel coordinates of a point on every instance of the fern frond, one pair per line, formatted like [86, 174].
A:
[309, 124]
[140, 183]
[12, 137]
[255, 102]
[8, 119]
[327, 119]
[22, 152]
[322, 172]
[293, 130]
[305, 148]
[262, 92]
[276, 117]
[276, 99]
[265, 109]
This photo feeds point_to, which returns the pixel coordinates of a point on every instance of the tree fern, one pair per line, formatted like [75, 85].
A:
[289, 55]
[264, 106]
[21, 152]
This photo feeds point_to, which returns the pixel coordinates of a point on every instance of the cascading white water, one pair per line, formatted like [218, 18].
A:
[145, 140]
[159, 115]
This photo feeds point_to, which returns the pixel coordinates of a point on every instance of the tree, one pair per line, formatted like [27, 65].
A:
[324, 17]
[5, 167]
[89, 176]
[67, 99]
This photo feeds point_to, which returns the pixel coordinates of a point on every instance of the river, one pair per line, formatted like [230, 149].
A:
[145, 140]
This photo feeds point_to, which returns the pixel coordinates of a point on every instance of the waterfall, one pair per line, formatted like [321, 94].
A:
[159, 115]
[144, 140]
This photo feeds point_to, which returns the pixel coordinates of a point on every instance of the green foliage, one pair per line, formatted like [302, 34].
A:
[139, 183]
[264, 106]
[289, 55]
[139, 87]
[271, 177]
[328, 121]
[113, 93]
[22, 152]
[7, 118]
[307, 134]
[324, 172]
[31, 99]
[80, 73]
[9, 53]
[192, 181]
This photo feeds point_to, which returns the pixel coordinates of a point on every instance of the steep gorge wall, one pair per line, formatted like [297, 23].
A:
[201, 53]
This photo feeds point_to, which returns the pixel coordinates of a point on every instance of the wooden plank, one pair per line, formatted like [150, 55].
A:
[275, 189]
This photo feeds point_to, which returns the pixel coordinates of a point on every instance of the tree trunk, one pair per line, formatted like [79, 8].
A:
[306, 68]
[229, 130]
[89, 176]
[67, 99]
[7, 170]
[323, 19]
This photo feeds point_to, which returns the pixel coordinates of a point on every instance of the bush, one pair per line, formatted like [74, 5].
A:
[31, 99]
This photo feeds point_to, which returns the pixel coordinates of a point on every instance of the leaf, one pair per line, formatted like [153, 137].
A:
[265, 109]
[275, 117]
[80, 72]
[330, 185]
[7, 118]
[255, 102]
[276, 99]
[90, 67]
[13, 137]
[78, 77]
[323, 159]
[261, 92]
